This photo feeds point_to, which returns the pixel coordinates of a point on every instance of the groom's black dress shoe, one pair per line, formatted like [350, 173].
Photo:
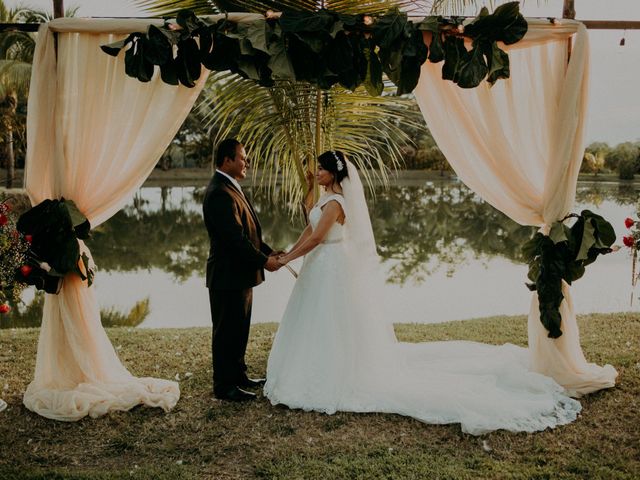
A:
[251, 382]
[233, 393]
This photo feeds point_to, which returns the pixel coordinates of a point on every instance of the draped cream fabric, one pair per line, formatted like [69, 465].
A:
[94, 135]
[519, 145]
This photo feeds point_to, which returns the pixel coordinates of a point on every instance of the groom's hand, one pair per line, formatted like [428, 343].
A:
[272, 264]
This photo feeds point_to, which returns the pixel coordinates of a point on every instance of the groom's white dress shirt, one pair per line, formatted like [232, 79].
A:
[233, 180]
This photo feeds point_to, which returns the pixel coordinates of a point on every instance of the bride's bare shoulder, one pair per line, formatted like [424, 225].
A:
[335, 204]
[334, 198]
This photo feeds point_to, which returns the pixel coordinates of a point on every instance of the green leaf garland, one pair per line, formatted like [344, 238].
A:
[326, 48]
[563, 255]
[55, 227]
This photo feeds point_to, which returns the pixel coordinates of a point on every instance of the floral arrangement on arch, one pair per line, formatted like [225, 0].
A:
[632, 241]
[13, 258]
[40, 248]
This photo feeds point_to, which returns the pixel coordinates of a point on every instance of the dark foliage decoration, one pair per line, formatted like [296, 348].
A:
[326, 48]
[563, 255]
[55, 227]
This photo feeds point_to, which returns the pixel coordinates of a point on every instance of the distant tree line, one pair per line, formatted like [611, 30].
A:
[623, 159]
[192, 148]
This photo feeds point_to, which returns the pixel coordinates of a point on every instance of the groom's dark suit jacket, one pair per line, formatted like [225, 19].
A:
[237, 253]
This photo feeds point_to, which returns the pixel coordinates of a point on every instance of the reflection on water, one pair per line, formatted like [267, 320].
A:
[447, 255]
[30, 314]
[440, 225]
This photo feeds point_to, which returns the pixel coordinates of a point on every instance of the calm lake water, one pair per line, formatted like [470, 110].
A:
[446, 256]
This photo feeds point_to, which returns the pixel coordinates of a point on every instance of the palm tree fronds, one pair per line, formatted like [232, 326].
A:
[277, 126]
[172, 7]
[40, 16]
[15, 76]
[16, 54]
[207, 7]
[374, 7]
[455, 7]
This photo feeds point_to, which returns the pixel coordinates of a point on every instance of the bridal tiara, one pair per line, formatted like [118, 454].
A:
[339, 163]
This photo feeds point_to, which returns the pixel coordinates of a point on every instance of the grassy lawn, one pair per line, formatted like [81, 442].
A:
[206, 438]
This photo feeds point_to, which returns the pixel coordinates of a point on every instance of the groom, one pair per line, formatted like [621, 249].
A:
[237, 259]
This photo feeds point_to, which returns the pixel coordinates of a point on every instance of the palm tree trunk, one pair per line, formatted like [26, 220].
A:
[11, 161]
[318, 142]
[291, 141]
[319, 138]
[319, 118]
[11, 102]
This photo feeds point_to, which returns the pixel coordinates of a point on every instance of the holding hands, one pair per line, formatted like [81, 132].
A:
[274, 262]
[282, 259]
[277, 260]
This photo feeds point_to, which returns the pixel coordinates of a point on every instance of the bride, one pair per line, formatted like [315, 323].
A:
[334, 351]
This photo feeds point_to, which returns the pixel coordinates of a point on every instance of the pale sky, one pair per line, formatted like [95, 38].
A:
[614, 112]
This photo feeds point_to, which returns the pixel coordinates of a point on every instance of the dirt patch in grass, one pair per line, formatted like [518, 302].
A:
[206, 438]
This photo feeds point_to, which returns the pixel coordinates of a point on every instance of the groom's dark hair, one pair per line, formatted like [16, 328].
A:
[226, 148]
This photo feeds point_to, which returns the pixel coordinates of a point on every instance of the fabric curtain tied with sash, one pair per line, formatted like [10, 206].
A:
[519, 145]
[94, 135]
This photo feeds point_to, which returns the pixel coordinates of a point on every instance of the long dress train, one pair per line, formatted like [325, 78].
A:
[334, 352]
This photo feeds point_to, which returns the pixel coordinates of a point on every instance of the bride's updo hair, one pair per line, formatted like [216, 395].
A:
[334, 162]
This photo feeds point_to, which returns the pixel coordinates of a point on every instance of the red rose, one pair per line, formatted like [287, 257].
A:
[628, 241]
[3, 219]
[4, 308]
[25, 270]
[29, 239]
[628, 222]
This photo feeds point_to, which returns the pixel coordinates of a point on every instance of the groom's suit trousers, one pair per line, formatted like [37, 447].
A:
[231, 317]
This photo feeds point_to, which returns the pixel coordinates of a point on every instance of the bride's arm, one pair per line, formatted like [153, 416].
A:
[303, 236]
[330, 214]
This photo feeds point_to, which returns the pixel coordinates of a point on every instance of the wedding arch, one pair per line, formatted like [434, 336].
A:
[95, 134]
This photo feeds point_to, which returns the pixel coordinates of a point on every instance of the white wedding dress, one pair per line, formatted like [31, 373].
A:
[334, 352]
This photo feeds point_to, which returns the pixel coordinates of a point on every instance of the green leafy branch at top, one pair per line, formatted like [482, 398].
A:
[326, 48]
[563, 255]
